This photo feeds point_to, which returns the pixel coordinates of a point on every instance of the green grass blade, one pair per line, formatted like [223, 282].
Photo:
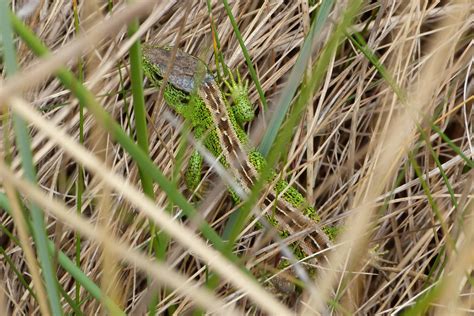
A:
[87, 283]
[158, 242]
[360, 43]
[449, 187]
[252, 71]
[429, 196]
[294, 79]
[80, 185]
[139, 105]
[424, 303]
[9, 262]
[23, 144]
[469, 162]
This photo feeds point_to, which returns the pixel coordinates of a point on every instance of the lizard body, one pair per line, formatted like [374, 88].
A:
[219, 127]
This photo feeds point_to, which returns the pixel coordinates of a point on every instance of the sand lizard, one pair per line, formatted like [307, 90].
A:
[219, 127]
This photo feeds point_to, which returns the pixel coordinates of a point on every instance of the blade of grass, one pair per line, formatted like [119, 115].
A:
[136, 78]
[294, 79]
[360, 43]
[453, 146]
[440, 167]
[80, 170]
[219, 59]
[424, 303]
[24, 149]
[252, 71]
[9, 262]
[158, 242]
[431, 201]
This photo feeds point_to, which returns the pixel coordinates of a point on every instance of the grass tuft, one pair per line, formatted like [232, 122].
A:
[364, 108]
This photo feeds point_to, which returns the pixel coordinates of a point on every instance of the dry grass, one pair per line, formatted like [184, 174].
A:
[364, 156]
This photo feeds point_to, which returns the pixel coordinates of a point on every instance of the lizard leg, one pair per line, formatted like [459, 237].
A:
[242, 107]
[193, 172]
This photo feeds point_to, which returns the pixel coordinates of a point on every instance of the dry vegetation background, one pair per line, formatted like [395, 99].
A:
[356, 154]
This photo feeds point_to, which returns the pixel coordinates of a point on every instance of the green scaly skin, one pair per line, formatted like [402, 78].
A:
[193, 109]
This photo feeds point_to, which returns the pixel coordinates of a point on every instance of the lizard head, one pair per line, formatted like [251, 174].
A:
[186, 71]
